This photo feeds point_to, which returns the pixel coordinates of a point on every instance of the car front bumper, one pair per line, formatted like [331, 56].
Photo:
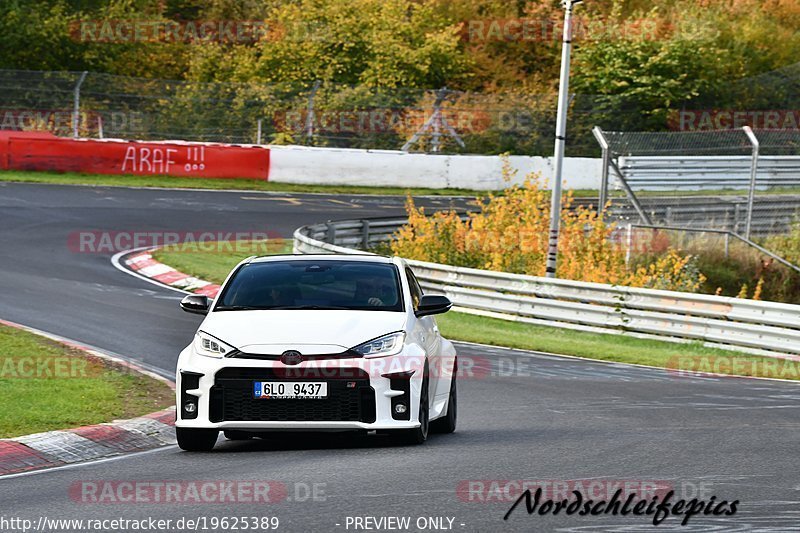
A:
[362, 393]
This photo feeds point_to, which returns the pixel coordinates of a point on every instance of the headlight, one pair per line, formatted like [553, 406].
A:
[390, 344]
[205, 344]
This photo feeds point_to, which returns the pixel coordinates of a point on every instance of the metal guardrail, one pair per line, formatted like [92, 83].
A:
[771, 213]
[681, 161]
[765, 328]
[728, 235]
[708, 172]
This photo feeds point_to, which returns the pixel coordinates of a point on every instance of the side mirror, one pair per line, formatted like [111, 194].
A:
[433, 304]
[196, 303]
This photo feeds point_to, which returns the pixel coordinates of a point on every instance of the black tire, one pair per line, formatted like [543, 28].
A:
[447, 423]
[233, 434]
[420, 434]
[196, 440]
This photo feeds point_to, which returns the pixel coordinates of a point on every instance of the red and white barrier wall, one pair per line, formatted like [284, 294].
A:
[286, 164]
[43, 151]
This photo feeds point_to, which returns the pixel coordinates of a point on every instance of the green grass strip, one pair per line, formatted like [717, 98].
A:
[45, 385]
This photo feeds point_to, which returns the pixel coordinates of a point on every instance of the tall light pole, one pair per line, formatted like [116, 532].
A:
[561, 138]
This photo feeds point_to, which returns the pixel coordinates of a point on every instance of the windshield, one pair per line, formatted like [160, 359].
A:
[354, 285]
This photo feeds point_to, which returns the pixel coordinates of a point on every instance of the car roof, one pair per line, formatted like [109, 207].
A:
[324, 257]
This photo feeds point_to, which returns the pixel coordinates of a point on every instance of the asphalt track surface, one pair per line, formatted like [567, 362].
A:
[523, 416]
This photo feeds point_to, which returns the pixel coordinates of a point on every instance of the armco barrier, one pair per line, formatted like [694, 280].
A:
[670, 173]
[765, 328]
[37, 151]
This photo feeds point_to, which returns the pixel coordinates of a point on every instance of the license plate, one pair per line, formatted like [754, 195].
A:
[299, 390]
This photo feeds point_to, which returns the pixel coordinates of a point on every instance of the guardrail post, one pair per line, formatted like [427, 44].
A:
[365, 234]
[737, 207]
[629, 244]
[601, 201]
[753, 174]
[310, 112]
[631, 195]
[76, 104]
[436, 121]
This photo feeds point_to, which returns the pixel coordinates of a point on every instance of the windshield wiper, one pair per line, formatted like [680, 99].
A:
[311, 307]
[237, 308]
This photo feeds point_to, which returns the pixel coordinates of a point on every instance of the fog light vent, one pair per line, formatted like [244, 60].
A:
[189, 381]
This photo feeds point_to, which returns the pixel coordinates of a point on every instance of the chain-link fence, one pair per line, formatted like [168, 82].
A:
[103, 105]
[776, 90]
[730, 264]
[739, 180]
[313, 113]
[329, 114]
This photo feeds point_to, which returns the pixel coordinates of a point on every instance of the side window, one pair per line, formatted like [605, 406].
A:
[413, 285]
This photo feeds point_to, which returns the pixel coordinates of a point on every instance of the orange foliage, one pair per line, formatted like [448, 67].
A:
[509, 234]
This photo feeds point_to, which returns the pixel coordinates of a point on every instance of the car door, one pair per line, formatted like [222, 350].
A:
[428, 334]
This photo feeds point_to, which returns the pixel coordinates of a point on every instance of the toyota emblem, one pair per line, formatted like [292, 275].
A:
[291, 357]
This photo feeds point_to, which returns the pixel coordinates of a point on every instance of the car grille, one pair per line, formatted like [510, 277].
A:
[232, 398]
[347, 354]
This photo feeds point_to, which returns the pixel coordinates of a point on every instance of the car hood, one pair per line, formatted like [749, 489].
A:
[313, 331]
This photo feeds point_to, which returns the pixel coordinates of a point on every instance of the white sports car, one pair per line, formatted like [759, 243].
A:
[316, 343]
